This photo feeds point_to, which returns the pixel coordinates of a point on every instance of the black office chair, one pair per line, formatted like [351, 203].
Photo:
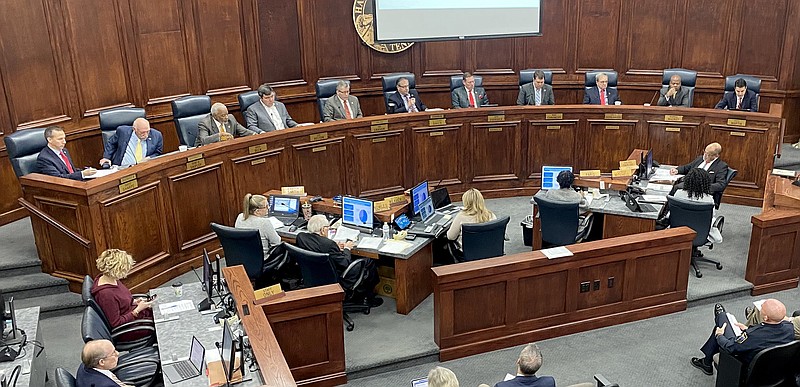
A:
[590, 80]
[697, 216]
[457, 81]
[561, 225]
[64, 378]
[603, 382]
[389, 85]
[187, 113]
[325, 89]
[23, 148]
[775, 366]
[111, 119]
[526, 77]
[753, 84]
[718, 195]
[139, 367]
[139, 325]
[243, 247]
[483, 240]
[247, 99]
[317, 269]
[688, 80]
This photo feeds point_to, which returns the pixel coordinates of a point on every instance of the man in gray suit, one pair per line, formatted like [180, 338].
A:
[267, 114]
[675, 95]
[341, 106]
[468, 95]
[219, 126]
[537, 92]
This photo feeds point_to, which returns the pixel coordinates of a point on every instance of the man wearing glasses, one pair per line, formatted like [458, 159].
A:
[405, 100]
[98, 358]
[341, 106]
[219, 126]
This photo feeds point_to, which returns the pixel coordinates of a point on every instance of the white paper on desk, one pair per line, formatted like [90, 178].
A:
[212, 356]
[732, 321]
[394, 247]
[101, 173]
[557, 252]
[758, 304]
[370, 243]
[508, 377]
[653, 198]
[276, 224]
[343, 234]
[659, 187]
[175, 307]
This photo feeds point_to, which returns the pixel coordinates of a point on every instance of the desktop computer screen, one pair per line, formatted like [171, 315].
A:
[549, 175]
[648, 164]
[426, 209]
[418, 195]
[357, 212]
[283, 205]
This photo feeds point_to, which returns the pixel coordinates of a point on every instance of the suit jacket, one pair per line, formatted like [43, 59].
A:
[397, 105]
[592, 96]
[89, 377]
[208, 132]
[333, 109]
[527, 95]
[529, 381]
[460, 99]
[257, 119]
[48, 163]
[681, 98]
[718, 171]
[749, 101]
[118, 143]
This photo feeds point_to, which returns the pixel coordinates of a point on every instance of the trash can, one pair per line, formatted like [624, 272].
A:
[527, 230]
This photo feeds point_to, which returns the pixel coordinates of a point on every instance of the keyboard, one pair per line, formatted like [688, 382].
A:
[185, 369]
[288, 220]
[647, 208]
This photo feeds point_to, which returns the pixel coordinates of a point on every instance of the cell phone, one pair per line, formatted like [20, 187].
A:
[153, 297]
[411, 237]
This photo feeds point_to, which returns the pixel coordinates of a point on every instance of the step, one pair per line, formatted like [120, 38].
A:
[32, 285]
[20, 267]
[54, 305]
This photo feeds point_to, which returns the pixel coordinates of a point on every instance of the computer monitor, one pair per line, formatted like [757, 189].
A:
[227, 352]
[418, 195]
[208, 275]
[440, 197]
[549, 175]
[284, 205]
[357, 212]
[426, 209]
[648, 164]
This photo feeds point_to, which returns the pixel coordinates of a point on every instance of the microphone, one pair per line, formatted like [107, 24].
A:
[653, 100]
[198, 277]
[106, 165]
[437, 183]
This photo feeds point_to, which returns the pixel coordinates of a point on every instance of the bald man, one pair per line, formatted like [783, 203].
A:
[98, 358]
[774, 330]
[219, 126]
[674, 95]
[709, 161]
[132, 144]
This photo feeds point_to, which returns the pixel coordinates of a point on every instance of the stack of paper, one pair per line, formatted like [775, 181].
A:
[344, 234]
[394, 247]
[370, 243]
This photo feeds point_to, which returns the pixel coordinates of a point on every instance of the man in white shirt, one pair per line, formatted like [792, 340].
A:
[709, 161]
[341, 106]
[267, 114]
[219, 126]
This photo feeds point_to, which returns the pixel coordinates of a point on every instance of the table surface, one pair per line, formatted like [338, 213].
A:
[28, 321]
[416, 245]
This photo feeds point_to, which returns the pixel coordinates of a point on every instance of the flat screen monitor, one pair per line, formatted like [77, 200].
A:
[227, 352]
[357, 212]
[284, 205]
[208, 275]
[648, 164]
[426, 209]
[418, 195]
[549, 175]
[440, 197]
[423, 382]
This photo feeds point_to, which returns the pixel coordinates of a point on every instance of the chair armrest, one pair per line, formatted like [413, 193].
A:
[603, 382]
[354, 266]
[729, 370]
[133, 326]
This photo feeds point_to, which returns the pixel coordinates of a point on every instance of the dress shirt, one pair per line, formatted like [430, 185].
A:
[538, 96]
[111, 375]
[346, 107]
[58, 154]
[274, 116]
[130, 150]
[220, 126]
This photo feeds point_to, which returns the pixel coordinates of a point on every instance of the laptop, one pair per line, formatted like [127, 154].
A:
[441, 201]
[422, 382]
[635, 206]
[187, 368]
[285, 208]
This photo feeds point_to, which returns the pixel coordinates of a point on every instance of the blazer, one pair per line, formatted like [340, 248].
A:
[749, 101]
[460, 99]
[527, 95]
[718, 171]
[208, 132]
[397, 105]
[89, 377]
[681, 98]
[333, 109]
[257, 119]
[529, 381]
[118, 143]
[592, 96]
[48, 163]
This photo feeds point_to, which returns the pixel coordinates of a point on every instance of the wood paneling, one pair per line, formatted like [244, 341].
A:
[773, 262]
[659, 17]
[708, 23]
[377, 168]
[598, 22]
[335, 39]
[279, 37]
[541, 133]
[494, 150]
[760, 46]
[320, 167]
[220, 41]
[674, 143]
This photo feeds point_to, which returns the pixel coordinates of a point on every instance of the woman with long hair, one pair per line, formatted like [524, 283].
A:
[254, 216]
[697, 187]
[474, 211]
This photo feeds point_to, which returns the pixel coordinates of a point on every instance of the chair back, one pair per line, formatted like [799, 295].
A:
[111, 119]
[23, 148]
[753, 83]
[389, 85]
[484, 240]
[526, 77]
[316, 268]
[559, 221]
[688, 80]
[456, 81]
[187, 113]
[247, 99]
[774, 366]
[590, 79]
[92, 326]
[326, 88]
[718, 195]
[693, 214]
[64, 378]
[241, 247]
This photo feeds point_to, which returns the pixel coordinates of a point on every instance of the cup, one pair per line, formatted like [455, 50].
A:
[647, 104]
[617, 102]
[182, 148]
[307, 211]
[177, 287]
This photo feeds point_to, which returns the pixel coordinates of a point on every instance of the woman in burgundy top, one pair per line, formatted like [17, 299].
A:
[113, 296]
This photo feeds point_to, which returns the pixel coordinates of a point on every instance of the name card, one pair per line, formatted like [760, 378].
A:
[496, 118]
[620, 173]
[736, 122]
[395, 199]
[673, 118]
[674, 130]
[738, 134]
[194, 164]
[379, 139]
[273, 291]
[590, 173]
[434, 134]
[627, 163]
[128, 185]
[297, 190]
[258, 161]
[554, 116]
[257, 148]
[613, 116]
[495, 130]
[379, 126]
[553, 127]
[612, 127]
[437, 122]
[128, 178]
[318, 136]
[194, 157]
[630, 170]
[319, 149]
[381, 206]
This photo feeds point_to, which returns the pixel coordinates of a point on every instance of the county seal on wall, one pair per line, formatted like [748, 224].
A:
[363, 16]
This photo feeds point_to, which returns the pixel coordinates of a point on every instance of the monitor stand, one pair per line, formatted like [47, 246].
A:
[10, 339]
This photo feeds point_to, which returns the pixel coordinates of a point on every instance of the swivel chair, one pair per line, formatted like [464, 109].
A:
[753, 84]
[325, 89]
[114, 334]
[697, 216]
[457, 81]
[23, 148]
[64, 378]
[187, 112]
[111, 119]
[246, 99]
[317, 269]
[243, 247]
[718, 195]
[561, 225]
[389, 85]
[484, 240]
[775, 366]
[590, 79]
[526, 77]
[688, 81]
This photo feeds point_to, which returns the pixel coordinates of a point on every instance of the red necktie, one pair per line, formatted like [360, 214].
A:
[471, 99]
[66, 161]
[738, 103]
[347, 113]
[602, 97]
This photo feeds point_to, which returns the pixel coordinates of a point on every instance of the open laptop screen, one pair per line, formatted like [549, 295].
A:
[549, 175]
[283, 205]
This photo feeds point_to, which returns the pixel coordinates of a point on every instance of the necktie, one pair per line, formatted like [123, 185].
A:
[738, 103]
[347, 113]
[66, 161]
[602, 97]
[471, 99]
[222, 128]
[538, 97]
[411, 107]
[138, 152]
[119, 382]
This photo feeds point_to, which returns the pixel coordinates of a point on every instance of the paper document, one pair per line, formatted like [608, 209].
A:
[557, 252]
[343, 234]
[175, 307]
[394, 247]
[370, 243]
[732, 322]
[658, 187]
[758, 304]
[101, 173]
[276, 224]
[653, 198]
[508, 377]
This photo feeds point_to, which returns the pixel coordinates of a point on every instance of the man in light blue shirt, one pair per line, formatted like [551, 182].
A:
[132, 144]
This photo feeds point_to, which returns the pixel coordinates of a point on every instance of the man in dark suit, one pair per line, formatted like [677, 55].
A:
[600, 95]
[54, 160]
[405, 100]
[219, 126]
[740, 99]
[98, 358]
[123, 148]
[341, 106]
[709, 161]
[536, 93]
[675, 94]
[267, 114]
[468, 95]
[316, 239]
[528, 363]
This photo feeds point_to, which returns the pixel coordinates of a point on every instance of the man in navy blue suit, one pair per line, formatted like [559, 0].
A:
[600, 95]
[98, 358]
[740, 99]
[123, 148]
[529, 361]
[405, 100]
[54, 160]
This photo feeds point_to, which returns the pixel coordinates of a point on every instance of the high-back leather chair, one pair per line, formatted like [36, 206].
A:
[23, 147]
[775, 366]
[111, 119]
[325, 88]
[559, 222]
[246, 99]
[718, 195]
[590, 81]
[64, 378]
[457, 81]
[140, 325]
[697, 216]
[243, 247]
[688, 80]
[526, 77]
[187, 113]
[753, 84]
[389, 85]
[484, 240]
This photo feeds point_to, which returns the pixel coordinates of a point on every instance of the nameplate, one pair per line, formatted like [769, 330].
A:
[128, 185]
[590, 173]
[738, 134]
[434, 134]
[676, 130]
[628, 171]
[395, 199]
[673, 118]
[379, 122]
[270, 292]
[319, 149]
[379, 128]
[613, 116]
[297, 190]
[318, 136]
[379, 139]
[495, 129]
[496, 118]
[736, 122]
[194, 157]
[554, 116]
[258, 161]
[257, 148]
[194, 164]
[381, 206]
[128, 178]
[627, 163]
[437, 122]
[612, 127]
[553, 127]
[436, 116]
[621, 172]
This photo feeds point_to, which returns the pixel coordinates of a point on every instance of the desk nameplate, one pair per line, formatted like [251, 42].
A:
[496, 118]
[318, 136]
[553, 127]
[738, 134]
[258, 161]
[554, 116]
[319, 149]
[736, 122]
[674, 130]
[194, 157]
[257, 148]
[613, 116]
[395, 199]
[495, 130]
[128, 178]
[379, 139]
[673, 118]
[379, 126]
[194, 164]
[128, 185]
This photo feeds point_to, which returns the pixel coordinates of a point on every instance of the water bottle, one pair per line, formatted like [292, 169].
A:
[385, 230]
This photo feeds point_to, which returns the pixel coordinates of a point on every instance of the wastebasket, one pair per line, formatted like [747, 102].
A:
[527, 230]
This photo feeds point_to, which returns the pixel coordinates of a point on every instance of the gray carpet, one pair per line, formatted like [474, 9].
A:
[790, 158]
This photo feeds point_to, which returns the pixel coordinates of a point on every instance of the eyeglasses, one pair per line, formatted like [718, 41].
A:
[115, 354]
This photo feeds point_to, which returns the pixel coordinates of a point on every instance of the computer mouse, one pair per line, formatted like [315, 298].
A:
[292, 228]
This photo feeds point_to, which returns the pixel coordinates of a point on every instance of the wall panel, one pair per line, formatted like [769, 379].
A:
[708, 23]
[659, 17]
[279, 34]
[335, 41]
[598, 22]
[760, 46]
[220, 41]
